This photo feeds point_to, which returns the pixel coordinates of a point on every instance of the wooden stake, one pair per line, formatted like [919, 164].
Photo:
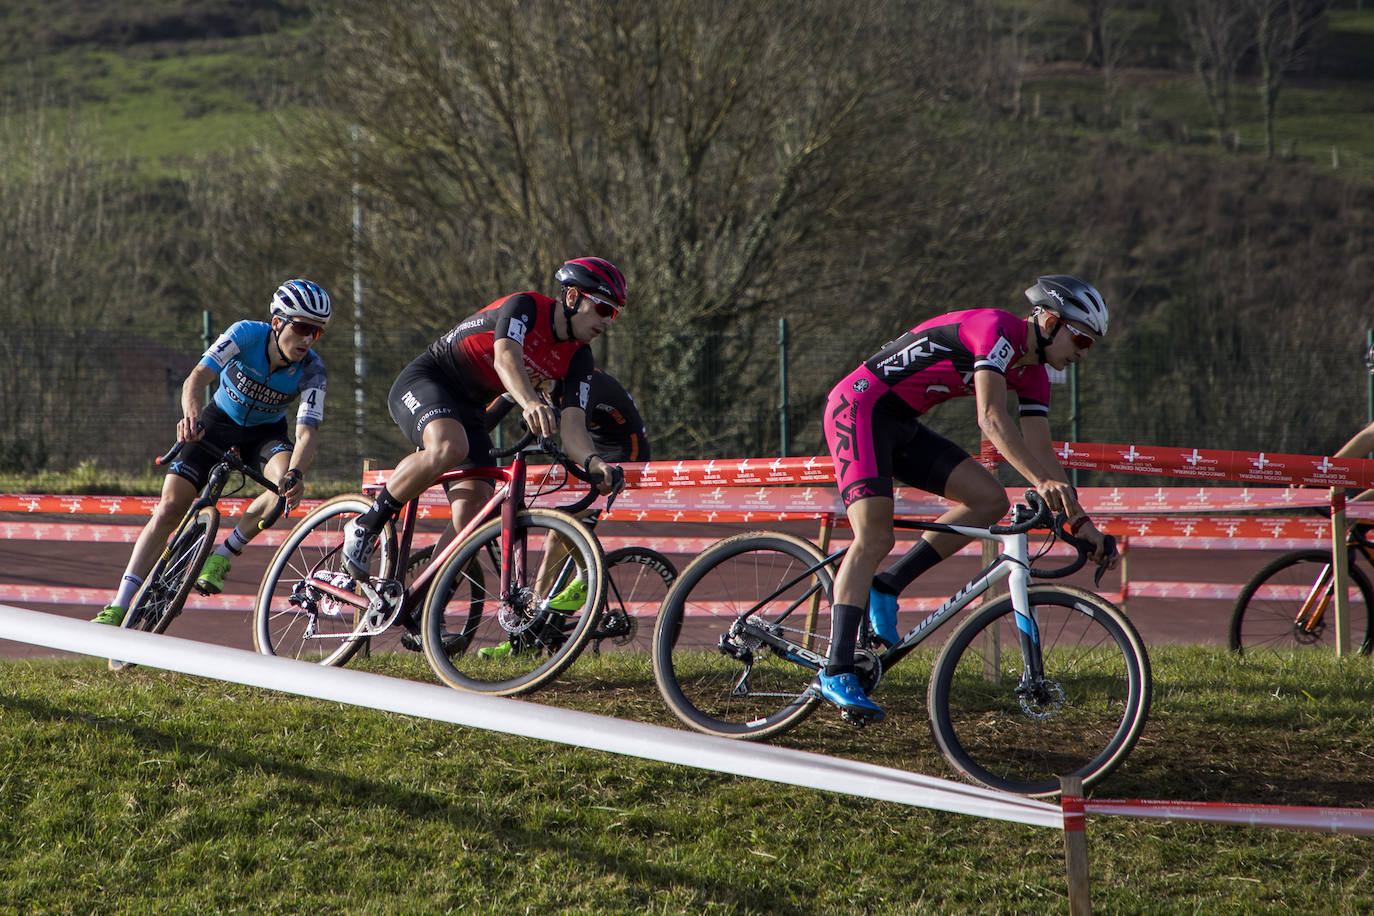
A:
[1075, 844]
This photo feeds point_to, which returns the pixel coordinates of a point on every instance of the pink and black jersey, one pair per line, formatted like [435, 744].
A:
[935, 361]
[871, 424]
[467, 354]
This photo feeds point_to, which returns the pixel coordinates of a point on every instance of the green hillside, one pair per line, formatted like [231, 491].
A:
[201, 151]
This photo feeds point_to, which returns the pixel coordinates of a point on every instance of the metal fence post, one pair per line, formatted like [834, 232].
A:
[359, 362]
[207, 338]
[1340, 574]
[782, 387]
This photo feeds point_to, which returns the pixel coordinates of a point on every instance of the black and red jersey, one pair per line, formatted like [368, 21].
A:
[468, 352]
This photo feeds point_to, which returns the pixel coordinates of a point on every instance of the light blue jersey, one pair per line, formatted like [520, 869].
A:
[252, 395]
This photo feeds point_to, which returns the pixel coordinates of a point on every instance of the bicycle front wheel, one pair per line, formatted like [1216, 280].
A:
[523, 629]
[637, 579]
[296, 614]
[1290, 604]
[719, 680]
[164, 591]
[1003, 728]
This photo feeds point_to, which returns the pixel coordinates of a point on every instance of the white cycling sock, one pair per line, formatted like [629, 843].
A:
[232, 547]
[127, 587]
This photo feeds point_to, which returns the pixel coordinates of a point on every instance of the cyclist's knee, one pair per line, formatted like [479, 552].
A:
[987, 506]
[873, 542]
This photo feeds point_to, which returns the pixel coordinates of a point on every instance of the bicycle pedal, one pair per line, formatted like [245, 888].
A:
[855, 719]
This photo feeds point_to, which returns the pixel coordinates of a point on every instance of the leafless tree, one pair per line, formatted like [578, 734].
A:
[1283, 30]
[77, 250]
[1216, 35]
[731, 157]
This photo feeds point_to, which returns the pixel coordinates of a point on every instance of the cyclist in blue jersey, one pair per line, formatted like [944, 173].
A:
[258, 368]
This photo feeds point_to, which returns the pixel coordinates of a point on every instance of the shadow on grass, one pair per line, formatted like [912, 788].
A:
[425, 806]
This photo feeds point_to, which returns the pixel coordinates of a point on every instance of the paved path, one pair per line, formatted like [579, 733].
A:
[99, 565]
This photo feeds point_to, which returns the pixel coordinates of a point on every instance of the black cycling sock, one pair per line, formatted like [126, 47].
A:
[384, 508]
[844, 635]
[904, 572]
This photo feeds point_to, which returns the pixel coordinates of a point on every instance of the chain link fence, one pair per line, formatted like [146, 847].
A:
[113, 399]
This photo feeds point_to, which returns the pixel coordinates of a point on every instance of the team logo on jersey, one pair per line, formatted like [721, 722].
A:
[411, 401]
[861, 384]
[921, 349]
[517, 331]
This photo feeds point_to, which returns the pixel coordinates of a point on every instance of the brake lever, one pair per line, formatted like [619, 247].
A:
[1108, 553]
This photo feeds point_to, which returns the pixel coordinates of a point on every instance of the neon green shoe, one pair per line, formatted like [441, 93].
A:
[497, 652]
[212, 574]
[571, 598]
[111, 616]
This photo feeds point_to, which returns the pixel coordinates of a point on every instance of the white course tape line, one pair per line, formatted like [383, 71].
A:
[635, 739]
[1291, 817]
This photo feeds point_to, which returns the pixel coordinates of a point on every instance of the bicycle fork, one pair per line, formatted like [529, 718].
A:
[1040, 696]
[1313, 608]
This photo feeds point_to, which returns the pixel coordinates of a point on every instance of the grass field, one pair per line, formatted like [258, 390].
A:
[148, 791]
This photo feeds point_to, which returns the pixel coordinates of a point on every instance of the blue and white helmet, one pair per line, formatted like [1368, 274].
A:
[1070, 298]
[301, 300]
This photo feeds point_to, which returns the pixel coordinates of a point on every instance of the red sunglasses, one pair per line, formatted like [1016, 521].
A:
[1080, 340]
[306, 329]
[603, 308]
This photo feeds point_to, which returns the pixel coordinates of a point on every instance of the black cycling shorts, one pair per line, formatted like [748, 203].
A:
[423, 393]
[256, 444]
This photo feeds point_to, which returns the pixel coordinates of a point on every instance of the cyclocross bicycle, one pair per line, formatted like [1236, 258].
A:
[637, 580]
[1045, 682]
[480, 590]
[1290, 603]
[163, 593]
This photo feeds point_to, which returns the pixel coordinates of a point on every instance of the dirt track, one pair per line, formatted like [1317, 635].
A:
[97, 565]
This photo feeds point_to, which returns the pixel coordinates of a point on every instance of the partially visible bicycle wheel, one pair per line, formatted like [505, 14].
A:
[637, 580]
[300, 612]
[1000, 728]
[523, 638]
[1290, 604]
[164, 591]
[720, 681]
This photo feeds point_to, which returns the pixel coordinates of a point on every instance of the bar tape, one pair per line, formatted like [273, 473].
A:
[531, 720]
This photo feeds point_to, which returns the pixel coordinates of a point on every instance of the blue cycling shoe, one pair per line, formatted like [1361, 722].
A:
[844, 691]
[882, 616]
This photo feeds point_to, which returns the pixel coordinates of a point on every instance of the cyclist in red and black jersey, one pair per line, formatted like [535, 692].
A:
[873, 429]
[517, 344]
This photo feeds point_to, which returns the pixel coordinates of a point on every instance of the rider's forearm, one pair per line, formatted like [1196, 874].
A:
[577, 442]
[1360, 445]
[999, 429]
[510, 368]
[193, 391]
[306, 447]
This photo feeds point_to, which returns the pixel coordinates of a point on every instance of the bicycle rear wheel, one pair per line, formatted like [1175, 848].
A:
[1273, 610]
[722, 682]
[519, 642]
[998, 728]
[295, 615]
[637, 579]
[164, 591]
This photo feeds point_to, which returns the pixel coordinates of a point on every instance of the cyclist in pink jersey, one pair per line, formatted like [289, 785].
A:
[873, 429]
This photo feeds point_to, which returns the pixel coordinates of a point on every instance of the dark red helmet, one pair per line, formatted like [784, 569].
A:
[596, 276]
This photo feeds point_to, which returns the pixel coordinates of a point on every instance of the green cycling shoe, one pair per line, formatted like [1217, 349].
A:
[111, 616]
[211, 580]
